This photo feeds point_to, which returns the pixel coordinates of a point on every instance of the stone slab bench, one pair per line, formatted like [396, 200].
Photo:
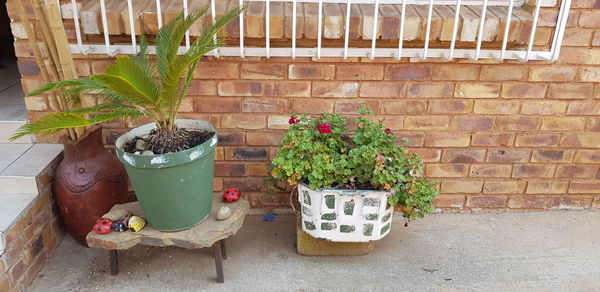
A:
[210, 232]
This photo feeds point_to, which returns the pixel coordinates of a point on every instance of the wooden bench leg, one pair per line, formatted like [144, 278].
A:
[114, 261]
[218, 262]
[223, 249]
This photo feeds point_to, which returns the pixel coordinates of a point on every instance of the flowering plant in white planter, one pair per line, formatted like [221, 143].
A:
[322, 153]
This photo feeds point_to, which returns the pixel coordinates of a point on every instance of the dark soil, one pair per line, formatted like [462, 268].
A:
[162, 142]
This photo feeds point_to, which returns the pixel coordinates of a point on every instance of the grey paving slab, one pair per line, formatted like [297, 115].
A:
[12, 103]
[18, 184]
[8, 129]
[20, 175]
[32, 162]
[533, 251]
[13, 112]
[10, 152]
[12, 95]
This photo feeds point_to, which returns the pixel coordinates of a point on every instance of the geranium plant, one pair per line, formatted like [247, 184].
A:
[321, 152]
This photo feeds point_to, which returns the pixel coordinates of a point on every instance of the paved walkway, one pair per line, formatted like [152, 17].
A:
[537, 251]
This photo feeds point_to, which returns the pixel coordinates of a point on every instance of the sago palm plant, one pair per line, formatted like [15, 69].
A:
[135, 86]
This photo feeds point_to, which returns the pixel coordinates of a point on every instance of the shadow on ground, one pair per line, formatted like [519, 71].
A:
[549, 251]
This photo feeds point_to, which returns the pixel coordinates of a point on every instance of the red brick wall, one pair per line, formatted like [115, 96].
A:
[497, 135]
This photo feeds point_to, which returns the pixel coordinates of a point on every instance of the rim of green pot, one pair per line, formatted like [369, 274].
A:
[169, 159]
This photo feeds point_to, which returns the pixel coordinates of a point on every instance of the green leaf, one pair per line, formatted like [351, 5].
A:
[52, 123]
[56, 85]
[136, 76]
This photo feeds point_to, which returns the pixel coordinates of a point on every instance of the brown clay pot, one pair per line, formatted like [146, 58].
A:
[87, 183]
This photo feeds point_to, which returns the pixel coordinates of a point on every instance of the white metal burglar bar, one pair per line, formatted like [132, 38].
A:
[476, 52]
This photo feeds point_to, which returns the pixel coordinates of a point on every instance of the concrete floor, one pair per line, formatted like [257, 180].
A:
[12, 102]
[536, 251]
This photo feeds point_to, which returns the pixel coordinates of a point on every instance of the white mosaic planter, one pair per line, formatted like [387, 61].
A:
[345, 215]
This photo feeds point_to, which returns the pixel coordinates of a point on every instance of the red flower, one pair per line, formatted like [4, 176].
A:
[388, 131]
[380, 158]
[293, 120]
[324, 128]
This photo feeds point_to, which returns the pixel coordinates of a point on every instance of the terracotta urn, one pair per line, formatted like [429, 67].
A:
[87, 184]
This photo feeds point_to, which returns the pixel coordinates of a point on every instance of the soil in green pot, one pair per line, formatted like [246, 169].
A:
[155, 143]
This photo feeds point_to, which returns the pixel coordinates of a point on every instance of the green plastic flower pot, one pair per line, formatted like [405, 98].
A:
[175, 190]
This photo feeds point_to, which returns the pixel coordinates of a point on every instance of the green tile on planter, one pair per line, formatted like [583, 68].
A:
[371, 202]
[386, 217]
[372, 217]
[306, 196]
[328, 226]
[349, 207]
[368, 229]
[328, 216]
[330, 201]
[307, 211]
[347, 228]
[310, 225]
[385, 228]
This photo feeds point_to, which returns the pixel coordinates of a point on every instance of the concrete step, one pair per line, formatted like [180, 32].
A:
[7, 130]
[21, 166]
[10, 153]
[20, 175]
[12, 205]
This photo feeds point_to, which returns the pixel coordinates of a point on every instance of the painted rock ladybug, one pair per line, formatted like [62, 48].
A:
[103, 226]
[231, 195]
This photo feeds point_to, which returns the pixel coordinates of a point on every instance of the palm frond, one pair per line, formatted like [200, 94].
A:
[172, 91]
[142, 59]
[118, 87]
[52, 123]
[143, 53]
[136, 76]
[126, 114]
[170, 37]
[206, 40]
[56, 85]
[103, 107]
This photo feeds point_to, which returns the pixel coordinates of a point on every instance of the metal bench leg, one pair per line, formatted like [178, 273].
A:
[114, 261]
[223, 249]
[218, 262]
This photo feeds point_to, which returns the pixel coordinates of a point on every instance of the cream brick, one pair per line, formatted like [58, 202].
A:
[477, 90]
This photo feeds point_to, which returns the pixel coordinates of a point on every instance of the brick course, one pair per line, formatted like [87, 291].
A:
[498, 135]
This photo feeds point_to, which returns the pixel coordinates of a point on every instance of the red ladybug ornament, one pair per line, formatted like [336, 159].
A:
[231, 195]
[103, 226]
